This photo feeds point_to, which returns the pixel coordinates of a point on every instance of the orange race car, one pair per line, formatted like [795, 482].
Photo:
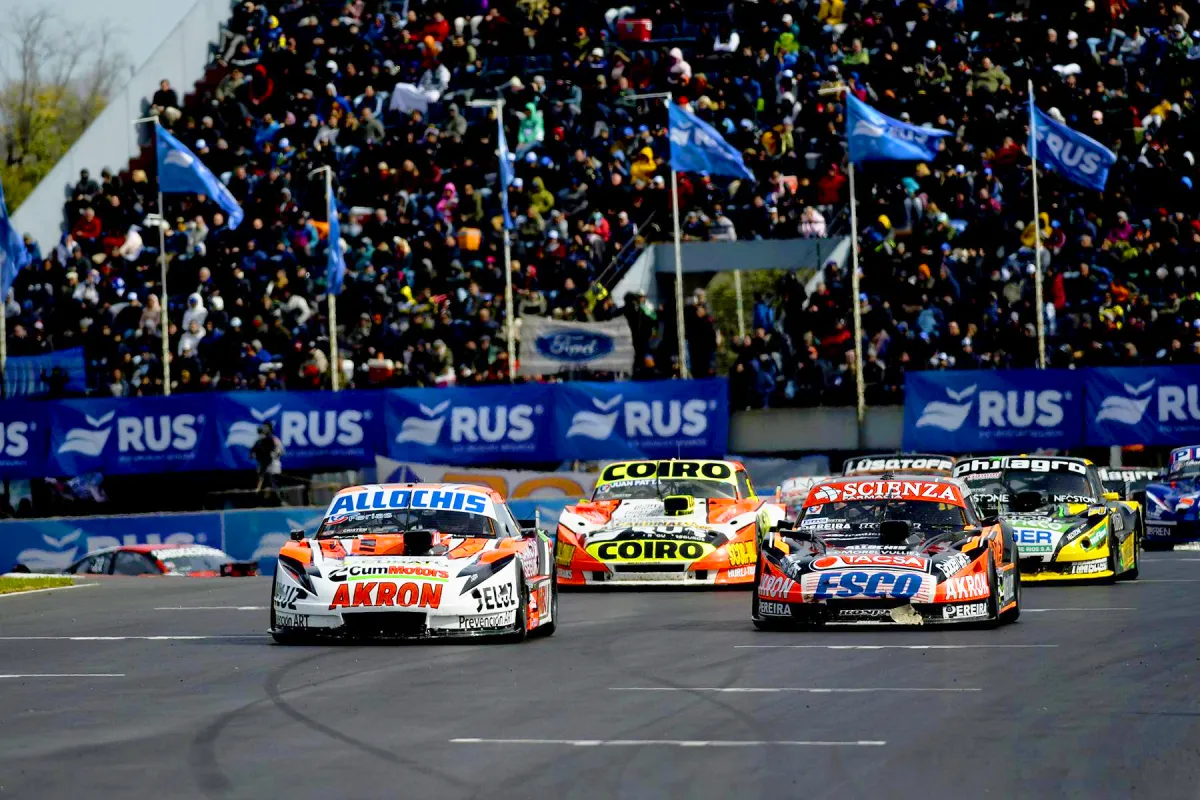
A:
[679, 522]
[414, 561]
[907, 550]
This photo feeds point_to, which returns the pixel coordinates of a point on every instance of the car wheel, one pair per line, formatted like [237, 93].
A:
[522, 629]
[1132, 572]
[282, 637]
[1014, 613]
[541, 631]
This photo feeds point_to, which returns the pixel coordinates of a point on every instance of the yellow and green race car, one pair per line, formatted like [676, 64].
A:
[1065, 525]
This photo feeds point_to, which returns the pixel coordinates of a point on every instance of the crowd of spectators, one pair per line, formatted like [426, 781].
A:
[380, 92]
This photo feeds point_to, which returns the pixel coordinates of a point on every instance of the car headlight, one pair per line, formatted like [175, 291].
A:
[1088, 534]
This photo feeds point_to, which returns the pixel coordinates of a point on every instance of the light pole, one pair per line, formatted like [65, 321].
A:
[334, 366]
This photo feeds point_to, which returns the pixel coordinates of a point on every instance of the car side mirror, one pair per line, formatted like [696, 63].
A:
[1112, 496]
[297, 535]
[989, 522]
[529, 533]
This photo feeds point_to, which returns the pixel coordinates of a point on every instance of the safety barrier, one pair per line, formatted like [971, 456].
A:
[52, 545]
[1024, 409]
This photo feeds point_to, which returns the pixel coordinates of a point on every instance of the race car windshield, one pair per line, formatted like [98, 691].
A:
[1057, 487]
[1187, 471]
[453, 523]
[191, 564]
[869, 513]
[658, 488]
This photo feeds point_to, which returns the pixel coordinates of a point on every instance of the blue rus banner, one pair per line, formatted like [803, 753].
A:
[1151, 405]
[480, 425]
[121, 436]
[316, 429]
[659, 419]
[958, 412]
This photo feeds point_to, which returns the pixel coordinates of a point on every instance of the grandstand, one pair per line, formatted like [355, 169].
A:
[381, 93]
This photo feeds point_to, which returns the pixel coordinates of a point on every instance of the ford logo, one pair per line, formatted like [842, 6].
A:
[575, 346]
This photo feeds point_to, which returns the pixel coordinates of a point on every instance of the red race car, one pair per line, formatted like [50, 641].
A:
[187, 560]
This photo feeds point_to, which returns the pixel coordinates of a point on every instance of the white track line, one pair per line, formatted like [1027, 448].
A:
[668, 743]
[1044, 610]
[1167, 560]
[889, 646]
[50, 589]
[1163, 580]
[126, 638]
[70, 675]
[210, 608]
[748, 690]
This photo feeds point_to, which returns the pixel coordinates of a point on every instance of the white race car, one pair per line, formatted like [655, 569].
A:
[415, 561]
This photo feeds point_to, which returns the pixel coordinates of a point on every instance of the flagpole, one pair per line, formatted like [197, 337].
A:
[680, 331]
[860, 387]
[859, 383]
[1038, 300]
[334, 367]
[510, 336]
[741, 316]
[163, 317]
[162, 300]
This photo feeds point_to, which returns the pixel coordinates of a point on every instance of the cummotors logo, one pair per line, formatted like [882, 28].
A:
[301, 429]
[1126, 410]
[146, 434]
[948, 416]
[661, 419]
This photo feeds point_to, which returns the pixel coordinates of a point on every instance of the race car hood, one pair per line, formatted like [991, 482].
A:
[366, 557]
[705, 514]
[925, 568]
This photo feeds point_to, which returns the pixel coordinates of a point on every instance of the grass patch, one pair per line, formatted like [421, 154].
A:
[23, 584]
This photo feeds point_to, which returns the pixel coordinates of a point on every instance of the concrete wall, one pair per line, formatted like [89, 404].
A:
[785, 430]
[110, 141]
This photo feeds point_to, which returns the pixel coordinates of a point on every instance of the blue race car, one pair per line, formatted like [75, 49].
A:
[1172, 505]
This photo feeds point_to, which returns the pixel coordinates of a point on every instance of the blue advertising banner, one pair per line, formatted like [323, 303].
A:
[52, 545]
[22, 439]
[25, 376]
[130, 435]
[257, 534]
[1153, 405]
[480, 425]
[958, 412]
[317, 429]
[658, 419]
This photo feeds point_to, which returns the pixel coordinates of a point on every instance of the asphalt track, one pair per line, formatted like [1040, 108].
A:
[646, 694]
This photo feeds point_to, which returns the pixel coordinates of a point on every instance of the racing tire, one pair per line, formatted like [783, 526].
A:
[542, 631]
[283, 637]
[1132, 573]
[763, 624]
[522, 629]
[1014, 613]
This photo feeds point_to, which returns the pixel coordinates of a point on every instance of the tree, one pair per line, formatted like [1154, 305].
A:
[58, 80]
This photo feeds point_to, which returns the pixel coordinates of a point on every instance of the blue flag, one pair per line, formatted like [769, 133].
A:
[873, 136]
[697, 147]
[506, 173]
[335, 259]
[179, 171]
[14, 257]
[1078, 158]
